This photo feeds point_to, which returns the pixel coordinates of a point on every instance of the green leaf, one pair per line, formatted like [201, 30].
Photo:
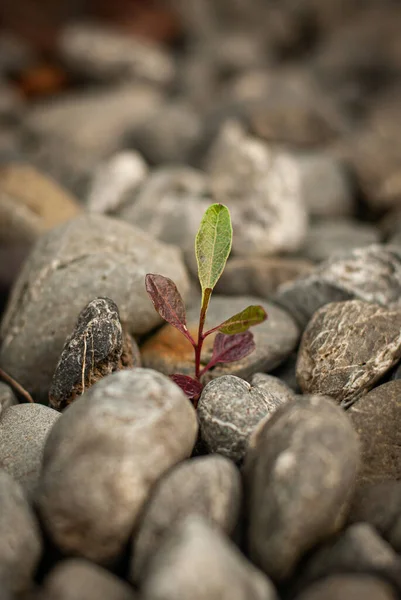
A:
[242, 321]
[213, 245]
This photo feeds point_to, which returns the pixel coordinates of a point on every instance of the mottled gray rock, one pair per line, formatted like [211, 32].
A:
[88, 257]
[347, 347]
[106, 452]
[93, 350]
[300, 473]
[7, 397]
[230, 408]
[169, 352]
[357, 587]
[208, 486]
[262, 189]
[379, 504]
[115, 180]
[197, 561]
[106, 54]
[372, 274]
[260, 276]
[375, 417]
[23, 432]
[78, 579]
[329, 237]
[20, 539]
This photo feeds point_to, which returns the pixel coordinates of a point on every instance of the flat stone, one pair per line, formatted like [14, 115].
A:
[7, 397]
[357, 587]
[262, 189]
[71, 265]
[20, 538]
[169, 352]
[221, 570]
[105, 454]
[23, 432]
[372, 274]
[230, 408]
[347, 347]
[300, 472]
[208, 486]
[375, 417]
[78, 579]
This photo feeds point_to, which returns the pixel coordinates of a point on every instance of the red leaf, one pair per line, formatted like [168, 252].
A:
[167, 301]
[229, 348]
[191, 387]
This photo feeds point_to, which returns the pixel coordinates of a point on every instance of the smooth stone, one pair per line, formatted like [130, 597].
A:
[169, 352]
[300, 472]
[355, 587]
[262, 189]
[347, 347]
[372, 274]
[329, 237]
[379, 504]
[71, 265]
[114, 180]
[230, 408]
[197, 561]
[79, 579]
[23, 432]
[20, 538]
[208, 486]
[7, 397]
[375, 417]
[260, 276]
[105, 454]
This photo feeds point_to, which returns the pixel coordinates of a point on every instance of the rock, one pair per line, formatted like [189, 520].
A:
[169, 352]
[107, 54]
[379, 505]
[208, 486]
[372, 274]
[104, 456]
[260, 276]
[229, 409]
[15, 53]
[375, 417]
[11, 103]
[93, 350]
[357, 587]
[262, 189]
[20, 539]
[221, 570]
[347, 347]
[328, 237]
[300, 473]
[78, 579]
[114, 180]
[23, 432]
[287, 372]
[7, 397]
[31, 203]
[88, 257]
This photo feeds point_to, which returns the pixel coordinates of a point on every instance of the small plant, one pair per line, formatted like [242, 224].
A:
[233, 340]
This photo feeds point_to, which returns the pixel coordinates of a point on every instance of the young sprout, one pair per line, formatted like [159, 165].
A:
[233, 340]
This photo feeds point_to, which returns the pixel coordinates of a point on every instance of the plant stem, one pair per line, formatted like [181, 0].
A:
[17, 386]
[202, 317]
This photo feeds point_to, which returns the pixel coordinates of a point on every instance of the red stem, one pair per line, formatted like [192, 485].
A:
[201, 337]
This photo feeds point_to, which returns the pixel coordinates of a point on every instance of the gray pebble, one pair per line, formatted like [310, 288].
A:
[375, 417]
[208, 486]
[230, 408]
[7, 397]
[87, 257]
[355, 587]
[78, 579]
[372, 274]
[197, 561]
[347, 347]
[105, 454]
[300, 473]
[23, 432]
[20, 539]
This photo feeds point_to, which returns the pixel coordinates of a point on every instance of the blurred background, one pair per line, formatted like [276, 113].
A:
[82, 80]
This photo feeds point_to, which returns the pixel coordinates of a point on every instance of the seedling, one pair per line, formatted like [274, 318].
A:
[233, 340]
